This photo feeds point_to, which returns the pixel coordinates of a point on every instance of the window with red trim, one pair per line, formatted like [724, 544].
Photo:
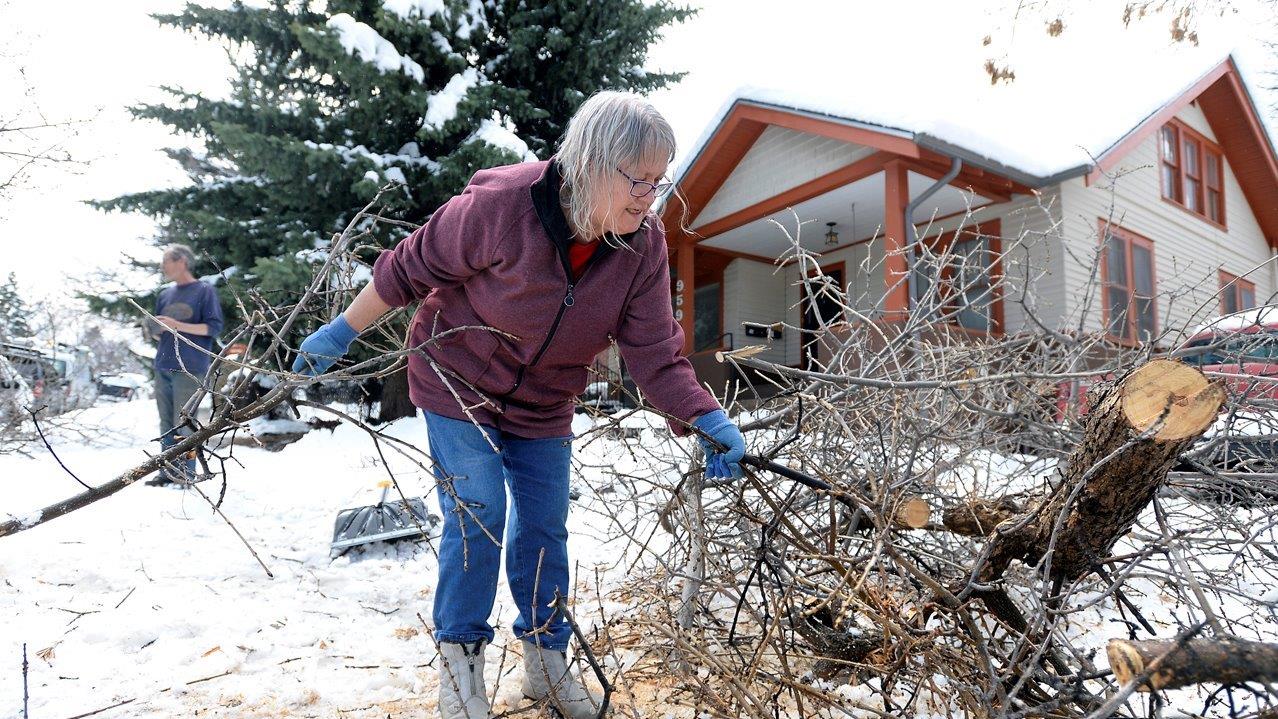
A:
[1192, 171]
[963, 269]
[1236, 294]
[1127, 270]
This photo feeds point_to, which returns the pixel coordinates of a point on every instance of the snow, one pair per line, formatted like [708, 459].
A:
[442, 105]
[502, 135]
[260, 426]
[1247, 319]
[138, 594]
[132, 380]
[414, 9]
[360, 39]
[472, 19]
[219, 277]
[1043, 122]
[170, 595]
[409, 155]
[395, 174]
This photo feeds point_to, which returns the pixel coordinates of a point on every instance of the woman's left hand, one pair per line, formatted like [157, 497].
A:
[727, 463]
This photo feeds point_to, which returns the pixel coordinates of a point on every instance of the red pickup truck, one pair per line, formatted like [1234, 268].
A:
[1240, 348]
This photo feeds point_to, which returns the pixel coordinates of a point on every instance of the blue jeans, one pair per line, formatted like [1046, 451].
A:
[472, 494]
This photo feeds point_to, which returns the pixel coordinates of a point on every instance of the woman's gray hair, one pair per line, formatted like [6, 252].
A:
[181, 252]
[609, 130]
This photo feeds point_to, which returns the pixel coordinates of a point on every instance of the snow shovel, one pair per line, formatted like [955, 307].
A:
[382, 522]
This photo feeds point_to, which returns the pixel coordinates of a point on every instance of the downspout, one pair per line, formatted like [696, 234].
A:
[956, 165]
[1273, 276]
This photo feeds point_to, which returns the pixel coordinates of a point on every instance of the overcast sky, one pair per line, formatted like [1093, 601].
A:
[90, 60]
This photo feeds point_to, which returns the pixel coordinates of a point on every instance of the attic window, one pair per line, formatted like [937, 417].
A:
[1192, 170]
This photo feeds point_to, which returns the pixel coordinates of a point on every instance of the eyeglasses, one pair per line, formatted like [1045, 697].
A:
[640, 188]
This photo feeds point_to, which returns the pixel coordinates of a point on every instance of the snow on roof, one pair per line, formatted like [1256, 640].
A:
[1073, 97]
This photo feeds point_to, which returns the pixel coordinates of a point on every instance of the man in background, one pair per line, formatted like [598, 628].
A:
[188, 316]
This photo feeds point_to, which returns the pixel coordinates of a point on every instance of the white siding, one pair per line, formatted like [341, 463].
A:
[1030, 235]
[1030, 226]
[753, 292]
[778, 161]
[1188, 251]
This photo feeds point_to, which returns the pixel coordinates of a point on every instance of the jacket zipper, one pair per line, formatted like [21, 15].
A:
[567, 302]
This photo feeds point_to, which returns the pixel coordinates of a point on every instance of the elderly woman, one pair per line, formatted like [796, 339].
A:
[563, 257]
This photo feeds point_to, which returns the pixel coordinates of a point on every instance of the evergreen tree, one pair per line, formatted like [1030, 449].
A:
[14, 313]
[331, 100]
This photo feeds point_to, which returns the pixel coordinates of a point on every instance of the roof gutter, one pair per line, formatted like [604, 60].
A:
[931, 142]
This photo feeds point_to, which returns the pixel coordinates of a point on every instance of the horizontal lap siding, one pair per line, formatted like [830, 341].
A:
[778, 161]
[1188, 251]
[1031, 244]
[753, 292]
[1031, 226]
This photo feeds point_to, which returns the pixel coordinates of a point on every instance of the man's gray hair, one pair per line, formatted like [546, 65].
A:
[181, 252]
[609, 130]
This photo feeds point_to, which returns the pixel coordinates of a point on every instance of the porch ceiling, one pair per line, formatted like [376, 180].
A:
[763, 238]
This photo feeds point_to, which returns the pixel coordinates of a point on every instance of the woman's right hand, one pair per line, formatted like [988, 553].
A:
[319, 351]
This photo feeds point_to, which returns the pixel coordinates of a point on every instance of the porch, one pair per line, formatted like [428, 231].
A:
[841, 192]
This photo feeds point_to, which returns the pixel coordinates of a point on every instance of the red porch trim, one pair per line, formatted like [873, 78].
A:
[734, 137]
[1231, 113]
[845, 175]
[896, 189]
[995, 188]
[993, 231]
[1110, 158]
[684, 271]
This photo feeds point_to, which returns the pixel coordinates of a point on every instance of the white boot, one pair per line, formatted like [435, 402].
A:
[546, 675]
[461, 681]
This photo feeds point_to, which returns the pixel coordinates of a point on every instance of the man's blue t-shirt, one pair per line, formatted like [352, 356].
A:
[195, 303]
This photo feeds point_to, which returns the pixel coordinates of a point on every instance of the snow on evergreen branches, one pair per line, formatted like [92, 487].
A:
[442, 105]
[360, 39]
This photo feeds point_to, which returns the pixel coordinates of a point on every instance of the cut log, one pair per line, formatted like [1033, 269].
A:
[979, 517]
[1138, 426]
[1199, 661]
[913, 513]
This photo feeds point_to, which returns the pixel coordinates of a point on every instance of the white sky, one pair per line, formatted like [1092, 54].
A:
[91, 59]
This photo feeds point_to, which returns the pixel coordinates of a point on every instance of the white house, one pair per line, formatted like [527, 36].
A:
[1185, 188]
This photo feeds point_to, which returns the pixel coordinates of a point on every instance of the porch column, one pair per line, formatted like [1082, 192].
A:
[684, 296]
[896, 296]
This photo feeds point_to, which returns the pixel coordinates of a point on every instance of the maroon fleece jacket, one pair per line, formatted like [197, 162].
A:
[496, 256]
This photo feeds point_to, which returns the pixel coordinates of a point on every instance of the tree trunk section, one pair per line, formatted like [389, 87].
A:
[1199, 661]
[1137, 428]
[979, 517]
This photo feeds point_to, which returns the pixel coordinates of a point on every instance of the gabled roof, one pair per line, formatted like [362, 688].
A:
[1026, 145]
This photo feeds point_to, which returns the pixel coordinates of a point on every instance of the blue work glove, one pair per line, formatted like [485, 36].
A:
[721, 464]
[319, 351]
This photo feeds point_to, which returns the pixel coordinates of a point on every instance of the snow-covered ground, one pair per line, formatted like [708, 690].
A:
[138, 597]
[149, 601]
